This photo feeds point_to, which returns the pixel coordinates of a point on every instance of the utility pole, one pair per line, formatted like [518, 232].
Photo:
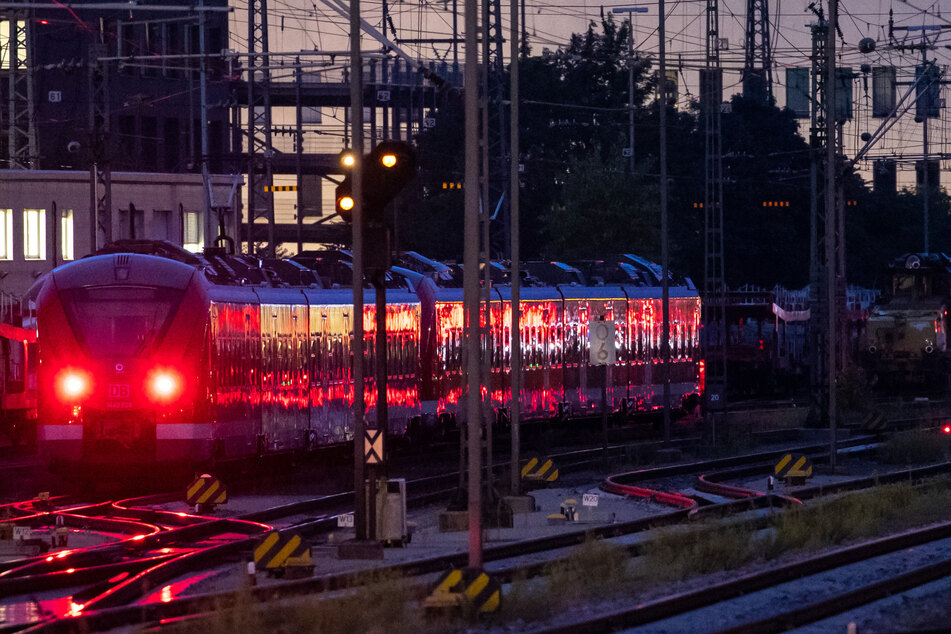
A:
[831, 229]
[356, 171]
[665, 284]
[207, 203]
[630, 79]
[515, 276]
[471, 282]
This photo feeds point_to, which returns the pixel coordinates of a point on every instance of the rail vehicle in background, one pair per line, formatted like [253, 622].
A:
[906, 338]
[152, 355]
[18, 395]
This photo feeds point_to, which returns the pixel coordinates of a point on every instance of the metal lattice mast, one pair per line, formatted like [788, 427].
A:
[714, 284]
[817, 239]
[260, 151]
[758, 62]
[21, 142]
[495, 169]
[100, 171]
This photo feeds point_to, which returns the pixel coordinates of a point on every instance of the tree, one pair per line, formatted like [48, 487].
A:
[573, 105]
[600, 210]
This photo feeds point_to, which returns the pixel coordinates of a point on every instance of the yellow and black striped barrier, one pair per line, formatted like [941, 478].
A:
[539, 470]
[873, 421]
[793, 466]
[469, 590]
[280, 188]
[278, 552]
[206, 490]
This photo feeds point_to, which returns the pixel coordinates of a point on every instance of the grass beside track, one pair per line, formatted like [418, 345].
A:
[600, 570]
[918, 446]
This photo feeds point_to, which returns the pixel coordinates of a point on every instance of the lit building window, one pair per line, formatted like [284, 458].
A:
[6, 234]
[66, 234]
[34, 234]
[192, 231]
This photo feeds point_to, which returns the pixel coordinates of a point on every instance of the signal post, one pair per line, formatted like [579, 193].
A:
[383, 173]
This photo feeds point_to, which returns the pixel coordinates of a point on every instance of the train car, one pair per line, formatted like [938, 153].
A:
[906, 345]
[177, 359]
[18, 361]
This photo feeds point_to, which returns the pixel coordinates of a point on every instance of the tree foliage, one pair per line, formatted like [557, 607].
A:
[578, 198]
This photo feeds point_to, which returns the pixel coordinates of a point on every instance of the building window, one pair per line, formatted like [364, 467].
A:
[131, 223]
[6, 234]
[34, 234]
[66, 234]
[160, 224]
[192, 231]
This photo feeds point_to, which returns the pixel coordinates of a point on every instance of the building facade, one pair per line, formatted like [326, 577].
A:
[45, 218]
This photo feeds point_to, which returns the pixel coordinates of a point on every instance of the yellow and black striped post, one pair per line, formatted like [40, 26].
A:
[465, 590]
[277, 552]
[793, 467]
[205, 492]
[539, 471]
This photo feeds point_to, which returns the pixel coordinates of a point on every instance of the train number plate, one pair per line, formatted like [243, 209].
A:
[119, 390]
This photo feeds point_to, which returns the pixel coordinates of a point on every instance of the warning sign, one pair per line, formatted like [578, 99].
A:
[373, 446]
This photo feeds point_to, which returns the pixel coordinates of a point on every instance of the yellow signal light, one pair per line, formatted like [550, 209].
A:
[388, 160]
[345, 203]
[347, 159]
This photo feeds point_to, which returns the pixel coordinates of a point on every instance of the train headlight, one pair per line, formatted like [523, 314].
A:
[73, 385]
[164, 385]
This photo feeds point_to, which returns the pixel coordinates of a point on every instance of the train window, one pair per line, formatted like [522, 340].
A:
[6, 234]
[34, 234]
[119, 321]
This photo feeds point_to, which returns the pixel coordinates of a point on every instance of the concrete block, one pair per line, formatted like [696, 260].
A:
[453, 521]
[360, 549]
[520, 503]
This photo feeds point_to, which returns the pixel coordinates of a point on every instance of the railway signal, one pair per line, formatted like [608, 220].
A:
[386, 171]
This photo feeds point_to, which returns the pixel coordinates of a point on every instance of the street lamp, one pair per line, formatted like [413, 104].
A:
[630, 78]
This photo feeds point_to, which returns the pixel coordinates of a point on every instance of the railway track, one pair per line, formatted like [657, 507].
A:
[106, 609]
[667, 613]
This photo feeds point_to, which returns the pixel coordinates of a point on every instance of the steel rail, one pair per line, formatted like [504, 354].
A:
[845, 601]
[683, 603]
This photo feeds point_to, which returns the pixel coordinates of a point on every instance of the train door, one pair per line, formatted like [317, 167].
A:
[282, 416]
[316, 373]
[402, 328]
[617, 374]
[299, 375]
[575, 334]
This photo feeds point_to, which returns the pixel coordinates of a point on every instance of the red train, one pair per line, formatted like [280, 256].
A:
[148, 359]
[17, 384]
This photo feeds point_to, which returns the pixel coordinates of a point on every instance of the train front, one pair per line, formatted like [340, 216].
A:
[123, 354]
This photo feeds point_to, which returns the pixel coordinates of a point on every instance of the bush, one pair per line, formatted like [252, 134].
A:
[915, 447]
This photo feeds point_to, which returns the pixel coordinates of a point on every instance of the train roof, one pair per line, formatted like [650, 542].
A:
[123, 268]
[229, 276]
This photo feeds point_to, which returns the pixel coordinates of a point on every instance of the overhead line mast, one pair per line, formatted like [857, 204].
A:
[714, 284]
[758, 61]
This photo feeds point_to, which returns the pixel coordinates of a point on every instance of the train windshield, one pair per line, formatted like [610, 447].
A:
[119, 320]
